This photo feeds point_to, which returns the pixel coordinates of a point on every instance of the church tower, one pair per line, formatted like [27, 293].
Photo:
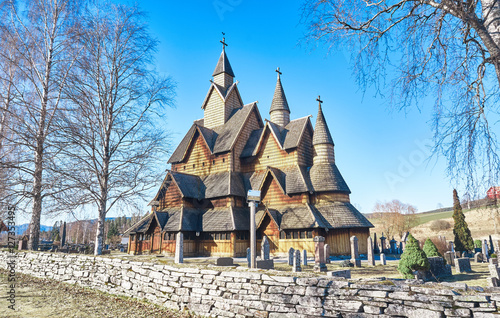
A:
[280, 113]
[223, 96]
[322, 140]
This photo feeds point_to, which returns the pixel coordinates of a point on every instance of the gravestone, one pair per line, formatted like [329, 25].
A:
[462, 265]
[304, 258]
[265, 249]
[319, 254]
[497, 246]
[376, 250]
[401, 249]
[291, 253]
[485, 251]
[224, 261]
[452, 247]
[403, 240]
[450, 258]
[354, 252]
[248, 257]
[494, 261]
[393, 246]
[370, 256]
[438, 268]
[346, 273]
[382, 259]
[296, 262]
[265, 264]
[382, 243]
[478, 257]
[327, 254]
[179, 248]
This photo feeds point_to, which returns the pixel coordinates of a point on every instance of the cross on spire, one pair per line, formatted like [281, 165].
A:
[319, 100]
[224, 44]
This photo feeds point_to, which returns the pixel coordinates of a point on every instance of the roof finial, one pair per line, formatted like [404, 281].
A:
[319, 100]
[223, 41]
[278, 71]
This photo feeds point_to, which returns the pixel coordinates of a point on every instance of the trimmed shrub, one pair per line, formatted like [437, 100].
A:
[413, 259]
[478, 244]
[431, 250]
[440, 225]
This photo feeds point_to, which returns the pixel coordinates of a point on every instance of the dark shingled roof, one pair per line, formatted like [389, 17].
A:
[298, 217]
[172, 216]
[141, 226]
[223, 184]
[190, 219]
[209, 135]
[327, 177]
[190, 185]
[217, 219]
[279, 99]
[297, 180]
[274, 214]
[228, 132]
[342, 215]
[180, 151]
[241, 217]
[223, 65]
[287, 137]
[321, 131]
[294, 131]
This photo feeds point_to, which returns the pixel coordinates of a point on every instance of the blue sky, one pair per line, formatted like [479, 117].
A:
[381, 153]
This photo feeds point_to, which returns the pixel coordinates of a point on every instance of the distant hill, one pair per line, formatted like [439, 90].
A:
[20, 229]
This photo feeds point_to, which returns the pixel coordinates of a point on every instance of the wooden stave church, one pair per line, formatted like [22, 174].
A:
[232, 150]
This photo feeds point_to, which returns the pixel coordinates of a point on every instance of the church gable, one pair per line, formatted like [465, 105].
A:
[214, 108]
[273, 194]
[269, 153]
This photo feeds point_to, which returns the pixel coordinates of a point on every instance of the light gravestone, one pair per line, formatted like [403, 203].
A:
[450, 258]
[327, 254]
[296, 262]
[265, 249]
[291, 252]
[497, 247]
[371, 258]
[485, 251]
[304, 258]
[478, 257]
[179, 248]
[382, 259]
[354, 252]
[319, 254]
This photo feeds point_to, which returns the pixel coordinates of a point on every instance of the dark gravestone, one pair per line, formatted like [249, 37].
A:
[224, 261]
[265, 264]
[462, 265]
[438, 268]
[478, 257]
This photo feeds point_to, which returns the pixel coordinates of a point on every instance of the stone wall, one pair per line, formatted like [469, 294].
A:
[244, 293]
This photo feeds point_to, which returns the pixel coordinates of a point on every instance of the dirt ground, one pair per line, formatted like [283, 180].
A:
[38, 298]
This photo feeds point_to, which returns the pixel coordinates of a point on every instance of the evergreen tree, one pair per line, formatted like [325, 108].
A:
[413, 258]
[492, 249]
[55, 231]
[431, 250]
[463, 239]
[63, 234]
[112, 230]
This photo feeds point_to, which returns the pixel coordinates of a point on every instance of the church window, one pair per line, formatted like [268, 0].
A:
[295, 234]
[184, 167]
[282, 235]
[203, 164]
[194, 165]
[288, 235]
[213, 162]
[309, 234]
[223, 160]
[302, 234]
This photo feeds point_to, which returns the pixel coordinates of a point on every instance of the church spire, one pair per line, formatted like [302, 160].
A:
[321, 131]
[322, 140]
[223, 73]
[280, 113]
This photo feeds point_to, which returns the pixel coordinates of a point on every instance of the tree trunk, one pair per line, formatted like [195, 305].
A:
[491, 22]
[99, 236]
[37, 199]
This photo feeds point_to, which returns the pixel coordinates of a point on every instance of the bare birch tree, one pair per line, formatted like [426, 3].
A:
[42, 32]
[113, 144]
[413, 49]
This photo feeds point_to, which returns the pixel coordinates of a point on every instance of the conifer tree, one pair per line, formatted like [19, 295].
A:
[413, 258]
[431, 250]
[463, 239]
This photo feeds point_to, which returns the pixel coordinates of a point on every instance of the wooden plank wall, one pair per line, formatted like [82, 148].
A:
[273, 195]
[339, 240]
[251, 125]
[172, 197]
